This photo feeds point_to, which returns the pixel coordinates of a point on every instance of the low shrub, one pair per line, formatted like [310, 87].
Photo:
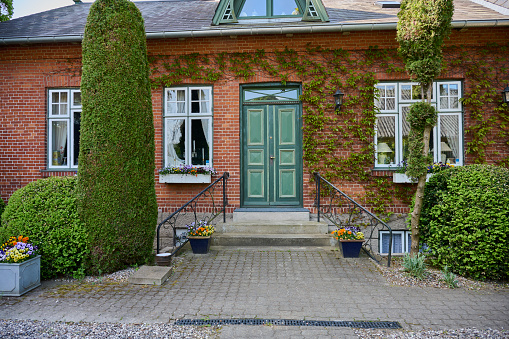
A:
[46, 211]
[465, 221]
[2, 206]
[415, 265]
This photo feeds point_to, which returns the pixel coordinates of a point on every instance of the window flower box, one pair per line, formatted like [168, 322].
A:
[401, 178]
[185, 178]
[186, 175]
[18, 278]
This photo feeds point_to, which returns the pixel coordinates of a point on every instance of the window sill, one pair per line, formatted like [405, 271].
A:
[185, 178]
[61, 172]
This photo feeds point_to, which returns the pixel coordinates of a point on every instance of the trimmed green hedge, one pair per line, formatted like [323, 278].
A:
[2, 206]
[117, 200]
[465, 220]
[46, 211]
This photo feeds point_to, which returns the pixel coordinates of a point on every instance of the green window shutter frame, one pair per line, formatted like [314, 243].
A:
[313, 10]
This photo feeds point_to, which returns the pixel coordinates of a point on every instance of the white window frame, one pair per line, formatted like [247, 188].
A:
[405, 238]
[67, 117]
[188, 117]
[436, 130]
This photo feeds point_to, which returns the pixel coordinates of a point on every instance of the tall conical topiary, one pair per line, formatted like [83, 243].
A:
[117, 200]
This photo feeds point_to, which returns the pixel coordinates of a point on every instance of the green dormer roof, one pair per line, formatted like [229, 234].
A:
[231, 11]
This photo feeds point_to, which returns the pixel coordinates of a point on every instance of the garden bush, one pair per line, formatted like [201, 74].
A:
[2, 206]
[116, 188]
[46, 211]
[465, 221]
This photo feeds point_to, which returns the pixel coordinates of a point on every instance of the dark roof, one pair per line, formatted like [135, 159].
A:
[195, 16]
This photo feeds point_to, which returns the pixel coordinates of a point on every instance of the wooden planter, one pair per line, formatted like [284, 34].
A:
[185, 178]
[17, 279]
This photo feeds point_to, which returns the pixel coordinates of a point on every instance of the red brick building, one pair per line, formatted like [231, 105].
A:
[262, 77]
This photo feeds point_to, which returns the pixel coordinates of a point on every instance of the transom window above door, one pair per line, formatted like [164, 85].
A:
[230, 11]
[188, 126]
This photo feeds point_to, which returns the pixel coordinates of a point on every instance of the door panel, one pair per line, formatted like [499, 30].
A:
[271, 156]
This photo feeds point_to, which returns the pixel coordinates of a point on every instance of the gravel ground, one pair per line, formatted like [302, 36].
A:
[463, 333]
[45, 329]
[396, 275]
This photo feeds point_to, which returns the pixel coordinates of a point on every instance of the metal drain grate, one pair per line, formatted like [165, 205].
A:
[290, 322]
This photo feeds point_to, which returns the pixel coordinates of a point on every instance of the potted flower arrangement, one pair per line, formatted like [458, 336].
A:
[399, 175]
[186, 174]
[199, 234]
[350, 239]
[20, 267]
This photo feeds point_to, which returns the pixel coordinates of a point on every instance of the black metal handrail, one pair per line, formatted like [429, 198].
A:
[343, 211]
[178, 218]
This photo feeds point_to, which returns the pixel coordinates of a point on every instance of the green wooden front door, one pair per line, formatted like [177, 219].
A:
[271, 155]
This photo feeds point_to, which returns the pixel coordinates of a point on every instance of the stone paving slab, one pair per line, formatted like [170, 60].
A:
[150, 275]
[274, 284]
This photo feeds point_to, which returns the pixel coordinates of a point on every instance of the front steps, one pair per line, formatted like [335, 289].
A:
[272, 227]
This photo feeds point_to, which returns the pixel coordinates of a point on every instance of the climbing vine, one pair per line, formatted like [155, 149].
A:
[339, 144]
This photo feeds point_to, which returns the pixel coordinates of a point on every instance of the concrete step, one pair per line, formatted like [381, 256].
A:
[265, 215]
[308, 227]
[150, 275]
[251, 239]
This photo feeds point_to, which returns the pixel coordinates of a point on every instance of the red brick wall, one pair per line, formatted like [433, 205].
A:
[28, 71]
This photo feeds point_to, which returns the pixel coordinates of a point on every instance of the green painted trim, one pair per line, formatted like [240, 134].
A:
[220, 10]
[320, 10]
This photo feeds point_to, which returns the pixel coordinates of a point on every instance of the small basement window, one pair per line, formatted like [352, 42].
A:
[388, 4]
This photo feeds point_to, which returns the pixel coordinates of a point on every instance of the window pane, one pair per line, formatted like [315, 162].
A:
[59, 143]
[200, 140]
[406, 92]
[285, 7]
[385, 243]
[386, 140]
[200, 101]
[175, 142]
[405, 129]
[449, 139]
[254, 8]
[76, 98]
[271, 95]
[76, 137]
[409, 242]
[176, 103]
[397, 243]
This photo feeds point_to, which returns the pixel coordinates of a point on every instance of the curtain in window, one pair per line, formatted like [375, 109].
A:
[449, 129]
[173, 138]
[59, 135]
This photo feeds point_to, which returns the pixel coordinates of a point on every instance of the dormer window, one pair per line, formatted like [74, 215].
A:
[234, 11]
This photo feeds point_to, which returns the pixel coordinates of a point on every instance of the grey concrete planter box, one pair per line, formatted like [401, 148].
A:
[17, 279]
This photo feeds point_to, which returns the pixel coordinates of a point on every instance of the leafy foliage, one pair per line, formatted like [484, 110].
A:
[423, 26]
[2, 206]
[46, 211]
[6, 10]
[465, 220]
[117, 198]
[415, 265]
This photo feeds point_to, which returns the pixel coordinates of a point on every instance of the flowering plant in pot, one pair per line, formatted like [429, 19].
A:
[350, 239]
[20, 267]
[186, 174]
[199, 234]
[17, 250]
[348, 233]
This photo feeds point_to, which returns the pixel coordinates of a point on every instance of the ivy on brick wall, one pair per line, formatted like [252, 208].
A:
[339, 144]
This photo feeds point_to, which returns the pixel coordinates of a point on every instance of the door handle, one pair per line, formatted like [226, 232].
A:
[273, 157]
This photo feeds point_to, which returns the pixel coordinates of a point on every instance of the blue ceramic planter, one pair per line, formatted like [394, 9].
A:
[351, 248]
[200, 245]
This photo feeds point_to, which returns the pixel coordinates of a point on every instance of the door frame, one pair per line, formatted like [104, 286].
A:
[299, 138]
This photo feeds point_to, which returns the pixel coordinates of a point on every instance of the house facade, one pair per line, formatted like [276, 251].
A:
[247, 87]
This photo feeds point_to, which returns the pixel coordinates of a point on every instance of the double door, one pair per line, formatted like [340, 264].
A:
[271, 155]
